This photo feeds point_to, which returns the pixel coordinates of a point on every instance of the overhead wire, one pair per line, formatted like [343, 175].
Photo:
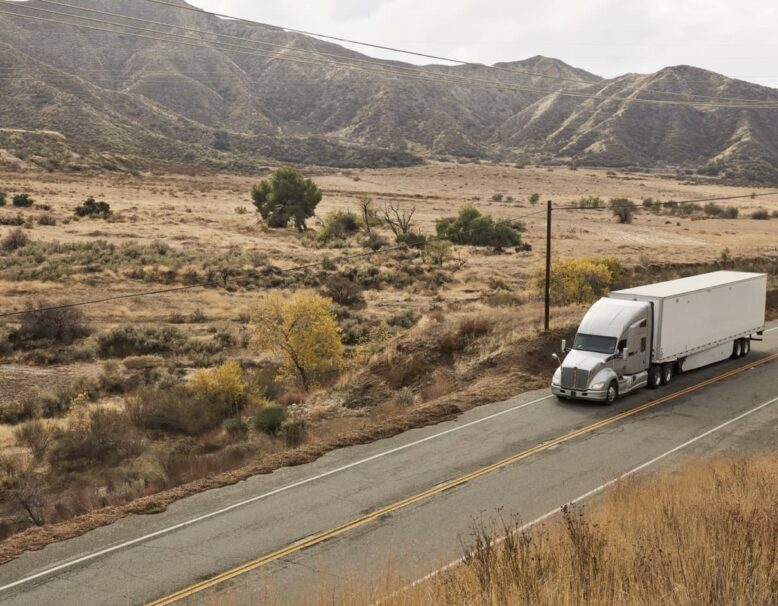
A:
[385, 70]
[388, 48]
[342, 258]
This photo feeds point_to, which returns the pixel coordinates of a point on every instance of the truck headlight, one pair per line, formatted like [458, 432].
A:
[598, 386]
[557, 378]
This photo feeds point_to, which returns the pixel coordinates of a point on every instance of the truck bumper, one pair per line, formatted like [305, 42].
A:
[594, 396]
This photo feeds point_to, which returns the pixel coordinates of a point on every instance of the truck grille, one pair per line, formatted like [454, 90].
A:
[574, 378]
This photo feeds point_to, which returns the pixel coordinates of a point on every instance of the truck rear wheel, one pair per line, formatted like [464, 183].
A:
[654, 377]
[746, 347]
[737, 349]
[667, 373]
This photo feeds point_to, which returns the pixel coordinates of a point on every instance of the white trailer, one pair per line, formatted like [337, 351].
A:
[643, 336]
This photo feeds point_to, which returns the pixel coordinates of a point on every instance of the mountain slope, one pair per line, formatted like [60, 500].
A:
[235, 95]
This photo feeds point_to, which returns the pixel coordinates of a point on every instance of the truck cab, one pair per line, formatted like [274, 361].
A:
[610, 355]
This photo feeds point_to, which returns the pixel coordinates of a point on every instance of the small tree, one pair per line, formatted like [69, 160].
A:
[623, 209]
[286, 196]
[399, 220]
[368, 213]
[301, 330]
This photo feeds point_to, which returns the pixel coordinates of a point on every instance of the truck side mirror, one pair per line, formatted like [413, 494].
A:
[564, 345]
[624, 353]
[556, 357]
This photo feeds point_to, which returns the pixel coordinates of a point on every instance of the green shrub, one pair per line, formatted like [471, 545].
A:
[47, 220]
[713, 210]
[23, 201]
[475, 229]
[14, 240]
[130, 340]
[338, 225]
[3, 198]
[534, 199]
[270, 419]
[594, 202]
[94, 209]
[437, 251]
[234, 426]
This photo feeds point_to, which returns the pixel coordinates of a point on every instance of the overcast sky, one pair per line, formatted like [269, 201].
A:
[738, 38]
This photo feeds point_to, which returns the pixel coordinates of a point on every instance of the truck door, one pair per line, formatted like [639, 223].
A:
[637, 342]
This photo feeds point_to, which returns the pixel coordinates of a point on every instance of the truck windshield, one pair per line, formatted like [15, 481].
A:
[595, 343]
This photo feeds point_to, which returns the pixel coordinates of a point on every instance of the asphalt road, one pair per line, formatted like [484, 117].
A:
[411, 498]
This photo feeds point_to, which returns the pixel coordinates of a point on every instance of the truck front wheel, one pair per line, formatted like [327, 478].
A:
[612, 393]
[654, 377]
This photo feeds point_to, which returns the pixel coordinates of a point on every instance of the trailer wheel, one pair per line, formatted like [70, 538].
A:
[737, 349]
[654, 376]
[667, 373]
[746, 347]
[612, 393]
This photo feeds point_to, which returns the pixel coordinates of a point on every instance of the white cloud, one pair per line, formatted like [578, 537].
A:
[607, 37]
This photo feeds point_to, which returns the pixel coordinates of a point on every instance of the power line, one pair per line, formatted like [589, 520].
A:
[393, 49]
[386, 70]
[368, 61]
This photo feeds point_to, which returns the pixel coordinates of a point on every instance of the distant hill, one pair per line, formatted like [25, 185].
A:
[122, 101]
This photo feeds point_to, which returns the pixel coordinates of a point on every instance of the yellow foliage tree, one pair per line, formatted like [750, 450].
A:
[224, 384]
[579, 280]
[302, 331]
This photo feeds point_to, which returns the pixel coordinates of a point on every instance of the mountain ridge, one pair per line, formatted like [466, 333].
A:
[257, 94]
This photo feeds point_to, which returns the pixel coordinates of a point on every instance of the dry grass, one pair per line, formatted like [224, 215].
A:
[659, 539]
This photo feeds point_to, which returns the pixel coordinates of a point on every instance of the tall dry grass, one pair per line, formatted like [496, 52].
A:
[707, 534]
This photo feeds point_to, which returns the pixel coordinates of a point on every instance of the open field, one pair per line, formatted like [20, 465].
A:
[424, 339]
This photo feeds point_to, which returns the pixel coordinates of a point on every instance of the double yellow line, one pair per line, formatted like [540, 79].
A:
[361, 521]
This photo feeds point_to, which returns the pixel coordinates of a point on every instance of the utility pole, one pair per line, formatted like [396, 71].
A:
[548, 267]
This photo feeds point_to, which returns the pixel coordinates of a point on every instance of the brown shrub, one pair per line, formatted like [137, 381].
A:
[46, 322]
[36, 436]
[14, 240]
[107, 439]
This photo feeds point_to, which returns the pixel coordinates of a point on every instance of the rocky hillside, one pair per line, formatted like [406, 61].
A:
[203, 91]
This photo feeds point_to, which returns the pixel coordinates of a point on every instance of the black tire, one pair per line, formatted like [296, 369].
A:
[668, 370]
[737, 349]
[612, 393]
[654, 376]
[745, 348]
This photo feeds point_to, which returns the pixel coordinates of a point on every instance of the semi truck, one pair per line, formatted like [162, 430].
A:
[644, 336]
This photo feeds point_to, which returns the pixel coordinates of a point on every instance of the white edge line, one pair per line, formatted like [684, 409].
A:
[591, 493]
[169, 529]
[771, 329]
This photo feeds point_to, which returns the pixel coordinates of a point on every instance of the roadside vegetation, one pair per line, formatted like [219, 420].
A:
[659, 539]
[307, 327]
